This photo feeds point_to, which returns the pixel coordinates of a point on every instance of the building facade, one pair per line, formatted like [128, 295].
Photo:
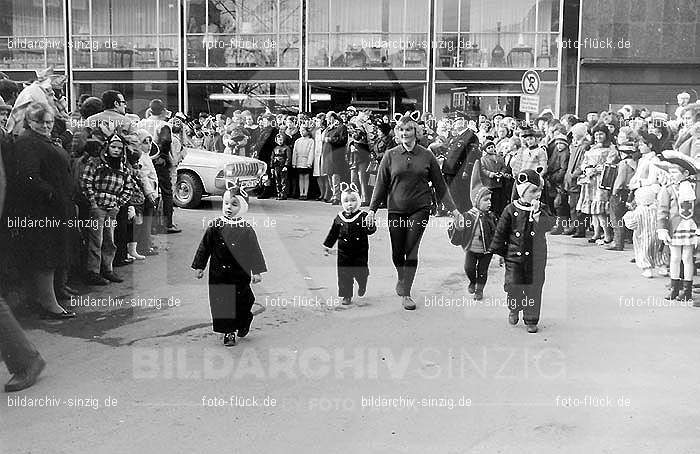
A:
[387, 55]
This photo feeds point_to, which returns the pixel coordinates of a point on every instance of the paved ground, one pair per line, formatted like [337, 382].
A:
[612, 369]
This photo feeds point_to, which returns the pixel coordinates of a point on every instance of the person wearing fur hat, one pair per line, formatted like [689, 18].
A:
[477, 234]
[678, 220]
[557, 165]
[595, 200]
[494, 172]
[520, 240]
[231, 248]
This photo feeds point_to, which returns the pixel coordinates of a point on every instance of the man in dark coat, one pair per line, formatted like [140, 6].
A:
[579, 145]
[263, 151]
[462, 152]
[336, 138]
[520, 240]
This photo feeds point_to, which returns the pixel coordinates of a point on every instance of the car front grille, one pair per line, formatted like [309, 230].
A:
[245, 169]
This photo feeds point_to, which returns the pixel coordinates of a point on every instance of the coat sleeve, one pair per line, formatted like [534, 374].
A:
[201, 257]
[87, 182]
[499, 244]
[383, 180]
[332, 236]
[662, 217]
[441, 190]
[255, 256]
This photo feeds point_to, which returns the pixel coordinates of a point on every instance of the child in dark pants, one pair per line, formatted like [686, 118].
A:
[475, 238]
[236, 261]
[520, 239]
[351, 231]
[281, 160]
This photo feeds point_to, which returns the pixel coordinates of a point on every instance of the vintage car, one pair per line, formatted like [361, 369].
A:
[205, 173]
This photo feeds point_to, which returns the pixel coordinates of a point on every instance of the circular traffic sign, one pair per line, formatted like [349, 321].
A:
[531, 82]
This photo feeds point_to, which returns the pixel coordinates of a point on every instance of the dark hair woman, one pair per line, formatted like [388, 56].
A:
[403, 182]
[41, 208]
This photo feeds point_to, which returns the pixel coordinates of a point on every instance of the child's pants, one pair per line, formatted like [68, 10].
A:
[527, 298]
[346, 277]
[101, 247]
[476, 265]
[280, 175]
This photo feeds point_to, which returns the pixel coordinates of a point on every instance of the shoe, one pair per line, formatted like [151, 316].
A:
[478, 295]
[320, 199]
[95, 279]
[346, 301]
[26, 378]
[600, 242]
[302, 197]
[229, 339]
[593, 240]
[557, 230]
[335, 202]
[133, 253]
[606, 242]
[361, 290]
[662, 272]
[123, 262]
[613, 247]
[569, 231]
[687, 292]
[647, 273]
[532, 329]
[675, 289]
[513, 317]
[633, 260]
[46, 315]
[284, 197]
[471, 289]
[173, 229]
[579, 235]
[112, 276]
[408, 303]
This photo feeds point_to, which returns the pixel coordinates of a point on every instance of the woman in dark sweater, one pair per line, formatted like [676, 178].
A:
[403, 183]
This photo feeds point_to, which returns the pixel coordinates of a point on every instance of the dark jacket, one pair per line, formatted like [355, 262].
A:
[492, 163]
[462, 152]
[557, 166]
[265, 144]
[573, 168]
[474, 219]
[522, 243]
[39, 191]
[335, 150]
[351, 232]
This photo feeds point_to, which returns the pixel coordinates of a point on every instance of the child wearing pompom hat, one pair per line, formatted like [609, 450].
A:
[520, 240]
[231, 247]
[678, 219]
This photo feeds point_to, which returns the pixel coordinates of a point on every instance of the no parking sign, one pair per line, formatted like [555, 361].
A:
[530, 83]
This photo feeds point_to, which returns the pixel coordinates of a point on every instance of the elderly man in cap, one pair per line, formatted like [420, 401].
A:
[462, 152]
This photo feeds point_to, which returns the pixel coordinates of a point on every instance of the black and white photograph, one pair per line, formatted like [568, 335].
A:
[349, 226]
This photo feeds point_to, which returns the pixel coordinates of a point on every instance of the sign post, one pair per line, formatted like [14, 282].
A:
[530, 99]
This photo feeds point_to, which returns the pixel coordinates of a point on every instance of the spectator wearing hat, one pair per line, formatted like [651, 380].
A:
[531, 155]
[493, 173]
[626, 166]
[557, 198]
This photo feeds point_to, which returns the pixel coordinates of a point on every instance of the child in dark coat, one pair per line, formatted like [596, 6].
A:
[475, 238]
[520, 240]
[236, 261]
[351, 231]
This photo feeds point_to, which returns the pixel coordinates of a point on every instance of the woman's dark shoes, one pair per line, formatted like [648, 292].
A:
[123, 262]
[532, 329]
[112, 276]
[593, 240]
[26, 378]
[471, 289]
[361, 290]
[478, 295]
[579, 235]
[95, 279]
[408, 303]
[513, 318]
[47, 315]
[675, 289]
[229, 339]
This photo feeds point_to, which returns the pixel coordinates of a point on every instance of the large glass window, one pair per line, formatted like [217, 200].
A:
[227, 96]
[245, 33]
[497, 33]
[125, 33]
[32, 34]
[368, 33]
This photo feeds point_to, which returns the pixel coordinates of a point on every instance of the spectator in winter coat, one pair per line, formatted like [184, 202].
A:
[303, 160]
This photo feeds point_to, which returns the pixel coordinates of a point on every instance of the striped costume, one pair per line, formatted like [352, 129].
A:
[649, 251]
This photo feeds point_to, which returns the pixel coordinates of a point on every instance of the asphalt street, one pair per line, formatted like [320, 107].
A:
[613, 368]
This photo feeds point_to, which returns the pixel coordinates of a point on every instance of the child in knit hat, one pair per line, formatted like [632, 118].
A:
[648, 249]
[520, 240]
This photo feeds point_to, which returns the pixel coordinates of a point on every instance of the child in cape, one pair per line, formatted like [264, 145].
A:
[477, 234]
[351, 231]
[520, 240]
[648, 249]
[236, 261]
[677, 221]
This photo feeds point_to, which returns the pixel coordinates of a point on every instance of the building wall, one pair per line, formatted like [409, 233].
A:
[655, 54]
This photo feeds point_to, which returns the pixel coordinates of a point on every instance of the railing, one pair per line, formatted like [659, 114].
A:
[126, 51]
[217, 50]
[390, 50]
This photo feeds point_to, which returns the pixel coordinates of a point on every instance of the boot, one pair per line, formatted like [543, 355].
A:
[557, 230]
[687, 293]
[675, 289]
[619, 240]
[131, 248]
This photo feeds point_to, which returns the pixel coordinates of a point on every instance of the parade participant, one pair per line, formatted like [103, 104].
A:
[303, 160]
[520, 240]
[476, 236]
[493, 173]
[403, 183]
[648, 249]
[678, 219]
[231, 247]
[351, 230]
[279, 163]
[557, 165]
[461, 153]
[594, 200]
